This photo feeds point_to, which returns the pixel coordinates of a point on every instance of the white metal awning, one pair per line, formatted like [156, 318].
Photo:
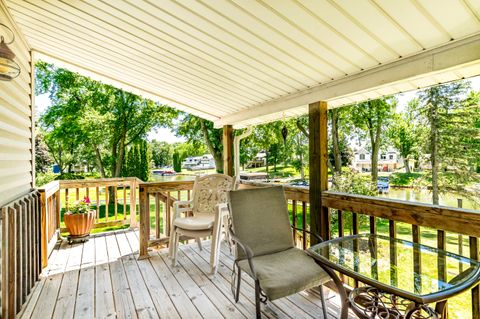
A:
[244, 62]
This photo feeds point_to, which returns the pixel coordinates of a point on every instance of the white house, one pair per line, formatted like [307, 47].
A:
[388, 161]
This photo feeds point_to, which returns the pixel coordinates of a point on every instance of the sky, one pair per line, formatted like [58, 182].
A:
[42, 102]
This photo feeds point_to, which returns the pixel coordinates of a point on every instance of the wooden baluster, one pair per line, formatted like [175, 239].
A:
[124, 202]
[115, 201]
[442, 267]
[157, 216]
[24, 250]
[167, 218]
[373, 225]
[189, 193]
[460, 238]
[355, 229]
[18, 255]
[393, 254]
[294, 220]
[11, 265]
[476, 289]
[77, 193]
[87, 192]
[179, 195]
[106, 202]
[98, 203]
[304, 224]
[341, 224]
[66, 199]
[355, 223]
[133, 204]
[417, 261]
[144, 222]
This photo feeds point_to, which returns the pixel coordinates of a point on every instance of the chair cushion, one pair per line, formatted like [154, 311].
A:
[260, 219]
[197, 222]
[285, 273]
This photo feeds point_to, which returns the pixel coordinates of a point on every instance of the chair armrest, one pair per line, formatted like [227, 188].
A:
[248, 252]
[320, 239]
[177, 210]
[221, 209]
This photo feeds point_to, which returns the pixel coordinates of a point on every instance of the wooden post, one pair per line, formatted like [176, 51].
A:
[144, 222]
[319, 215]
[133, 204]
[44, 228]
[228, 150]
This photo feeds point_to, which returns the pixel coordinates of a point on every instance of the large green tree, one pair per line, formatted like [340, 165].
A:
[370, 119]
[451, 116]
[89, 116]
[199, 132]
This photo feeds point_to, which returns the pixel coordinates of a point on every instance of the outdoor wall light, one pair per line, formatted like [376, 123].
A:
[9, 69]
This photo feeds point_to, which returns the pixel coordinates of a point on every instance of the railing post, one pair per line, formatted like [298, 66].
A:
[43, 228]
[133, 204]
[144, 222]
[319, 214]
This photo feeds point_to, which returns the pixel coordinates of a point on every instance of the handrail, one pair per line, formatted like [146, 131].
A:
[419, 214]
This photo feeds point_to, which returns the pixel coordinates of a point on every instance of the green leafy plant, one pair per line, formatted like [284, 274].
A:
[80, 207]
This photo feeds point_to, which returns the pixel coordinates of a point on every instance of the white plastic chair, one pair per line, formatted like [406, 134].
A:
[207, 218]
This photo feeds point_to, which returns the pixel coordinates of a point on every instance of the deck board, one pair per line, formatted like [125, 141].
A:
[103, 278]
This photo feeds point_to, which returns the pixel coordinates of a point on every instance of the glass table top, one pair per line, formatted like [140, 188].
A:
[417, 272]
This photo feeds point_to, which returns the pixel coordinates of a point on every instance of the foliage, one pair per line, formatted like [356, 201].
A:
[405, 179]
[80, 207]
[138, 161]
[403, 134]
[199, 131]
[453, 138]
[92, 121]
[161, 153]
[177, 162]
[44, 178]
[353, 183]
[43, 160]
[370, 119]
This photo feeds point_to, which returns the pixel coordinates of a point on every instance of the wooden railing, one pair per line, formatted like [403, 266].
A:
[50, 220]
[348, 209]
[20, 251]
[156, 202]
[114, 199]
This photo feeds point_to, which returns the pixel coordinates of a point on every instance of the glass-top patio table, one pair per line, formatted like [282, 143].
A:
[401, 277]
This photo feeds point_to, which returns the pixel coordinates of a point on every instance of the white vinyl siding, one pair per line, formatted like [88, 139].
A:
[16, 163]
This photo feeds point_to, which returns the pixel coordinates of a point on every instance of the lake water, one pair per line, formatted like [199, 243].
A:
[425, 196]
[406, 194]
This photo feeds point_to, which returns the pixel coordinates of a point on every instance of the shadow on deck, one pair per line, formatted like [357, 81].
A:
[102, 278]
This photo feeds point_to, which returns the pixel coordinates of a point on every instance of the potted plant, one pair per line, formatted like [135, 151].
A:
[79, 220]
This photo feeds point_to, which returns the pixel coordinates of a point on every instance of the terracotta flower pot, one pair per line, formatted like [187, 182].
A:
[79, 225]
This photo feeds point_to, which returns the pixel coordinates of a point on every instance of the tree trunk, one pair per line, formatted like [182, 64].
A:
[266, 160]
[375, 143]
[434, 153]
[217, 156]
[302, 169]
[407, 166]
[119, 160]
[98, 160]
[336, 148]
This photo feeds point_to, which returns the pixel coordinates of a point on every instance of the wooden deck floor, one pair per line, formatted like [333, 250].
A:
[103, 279]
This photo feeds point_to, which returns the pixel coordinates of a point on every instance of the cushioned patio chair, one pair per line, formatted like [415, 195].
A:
[264, 248]
[205, 218]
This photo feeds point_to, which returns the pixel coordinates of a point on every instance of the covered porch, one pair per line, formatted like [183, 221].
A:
[239, 64]
[104, 278]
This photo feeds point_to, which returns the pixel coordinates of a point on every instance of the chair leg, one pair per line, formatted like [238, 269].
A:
[199, 242]
[176, 237]
[171, 242]
[239, 281]
[322, 298]
[257, 299]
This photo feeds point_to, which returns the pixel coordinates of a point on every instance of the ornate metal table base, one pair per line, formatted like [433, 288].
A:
[369, 302]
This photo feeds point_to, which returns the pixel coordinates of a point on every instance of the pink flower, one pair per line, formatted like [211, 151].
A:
[86, 200]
